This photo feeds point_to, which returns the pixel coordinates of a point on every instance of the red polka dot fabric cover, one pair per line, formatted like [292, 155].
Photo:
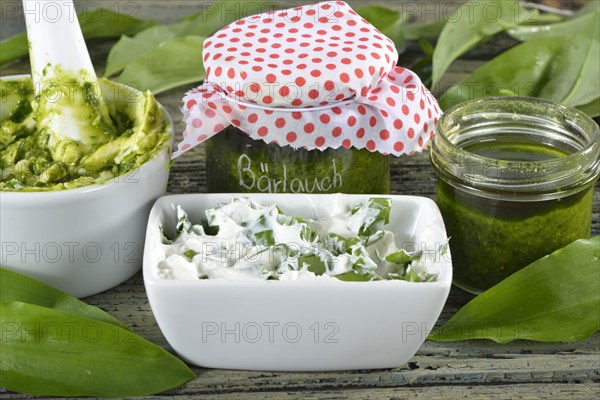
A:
[312, 77]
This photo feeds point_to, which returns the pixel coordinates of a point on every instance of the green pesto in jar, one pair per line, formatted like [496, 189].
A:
[235, 163]
[131, 130]
[491, 239]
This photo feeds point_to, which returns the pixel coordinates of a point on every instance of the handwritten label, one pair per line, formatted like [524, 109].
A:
[274, 179]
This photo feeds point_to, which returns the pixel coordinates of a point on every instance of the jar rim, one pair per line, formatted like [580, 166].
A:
[563, 174]
[524, 99]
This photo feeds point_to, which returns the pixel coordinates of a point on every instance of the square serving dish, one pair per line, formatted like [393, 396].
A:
[304, 325]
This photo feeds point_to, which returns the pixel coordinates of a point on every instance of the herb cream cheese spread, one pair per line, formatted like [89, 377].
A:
[245, 240]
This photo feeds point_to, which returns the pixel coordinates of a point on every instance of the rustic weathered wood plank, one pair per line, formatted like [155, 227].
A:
[523, 391]
[477, 369]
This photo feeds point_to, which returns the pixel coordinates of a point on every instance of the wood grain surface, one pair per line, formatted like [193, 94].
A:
[473, 369]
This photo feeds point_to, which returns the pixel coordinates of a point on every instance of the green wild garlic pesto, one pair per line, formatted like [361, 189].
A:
[245, 240]
[235, 163]
[516, 182]
[38, 153]
[492, 239]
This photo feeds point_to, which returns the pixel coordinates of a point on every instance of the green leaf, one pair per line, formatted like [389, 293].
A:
[374, 238]
[381, 17]
[422, 66]
[556, 298]
[472, 24]
[560, 29]
[412, 276]
[592, 108]
[174, 63]
[424, 30]
[53, 353]
[427, 47]
[387, 21]
[354, 276]
[13, 48]
[183, 222]
[576, 70]
[216, 16]
[107, 24]
[522, 70]
[189, 254]
[376, 216]
[264, 238]
[17, 287]
[313, 263]
[338, 244]
[403, 257]
[563, 70]
[99, 23]
[128, 49]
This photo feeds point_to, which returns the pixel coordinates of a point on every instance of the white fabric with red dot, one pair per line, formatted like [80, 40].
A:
[312, 77]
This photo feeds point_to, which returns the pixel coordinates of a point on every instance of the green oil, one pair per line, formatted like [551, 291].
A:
[516, 151]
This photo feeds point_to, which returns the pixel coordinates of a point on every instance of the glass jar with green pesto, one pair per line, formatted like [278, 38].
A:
[515, 182]
[235, 163]
[297, 106]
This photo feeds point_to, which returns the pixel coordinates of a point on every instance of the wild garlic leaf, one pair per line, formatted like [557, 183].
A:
[559, 29]
[592, 108]
[128, 49]
[183, 225]
[520, 71]
[313, 263]
[100, 24]
[374, 238]
[204, 23]
[265, 238]
[556, 298]
[338, 244]
[472, 24]
[575, 71]
[412, 276]
[308, 234]
[89, 358]
[354, 276]
[107, 24]
[13, 48]
[424, 30]
[403, 257]
[190, 254]
[562, 70]
[363, 262]
[217, 15]
[183, 222]
[175, 63]
[164, 237]
[18, 287]
[387, 21]
[375, 214]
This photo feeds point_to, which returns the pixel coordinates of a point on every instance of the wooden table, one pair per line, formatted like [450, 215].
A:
[479, 369]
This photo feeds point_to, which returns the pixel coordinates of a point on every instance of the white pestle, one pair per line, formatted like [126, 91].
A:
[57, 50]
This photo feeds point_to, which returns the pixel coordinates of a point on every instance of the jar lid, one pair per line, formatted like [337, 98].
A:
[314, 77]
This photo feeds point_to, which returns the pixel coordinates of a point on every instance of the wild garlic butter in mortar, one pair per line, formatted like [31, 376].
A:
[35, 157]
[245, 240]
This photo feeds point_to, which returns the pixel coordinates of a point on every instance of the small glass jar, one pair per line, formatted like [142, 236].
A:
[235, 163]
[516, 182]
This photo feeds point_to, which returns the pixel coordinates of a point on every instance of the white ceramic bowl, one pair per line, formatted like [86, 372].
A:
[297, 325]
[85, 240]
